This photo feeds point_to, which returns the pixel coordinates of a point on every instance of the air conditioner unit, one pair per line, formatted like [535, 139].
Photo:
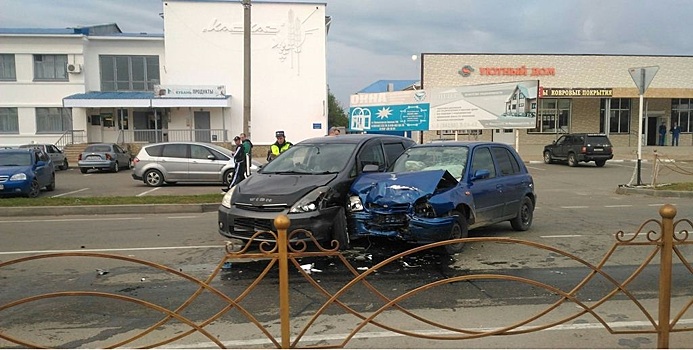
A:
[74, 68]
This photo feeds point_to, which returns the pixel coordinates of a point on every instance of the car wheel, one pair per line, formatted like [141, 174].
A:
[459, 230]
[572, 161]
[34, 189]
[547, 157]
[524, 217]
[51, 186]
[83, 170]
[153, 178]
[600, 163]
[129, 165]
[116, 167]
[65, 165]
[228, 177]
[339, 230]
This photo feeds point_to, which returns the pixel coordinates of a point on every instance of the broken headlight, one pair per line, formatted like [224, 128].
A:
[424, 209]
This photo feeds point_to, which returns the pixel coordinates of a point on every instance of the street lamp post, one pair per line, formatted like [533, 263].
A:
[246, 67]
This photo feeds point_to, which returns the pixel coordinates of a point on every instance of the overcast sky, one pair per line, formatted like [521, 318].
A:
[370, 40]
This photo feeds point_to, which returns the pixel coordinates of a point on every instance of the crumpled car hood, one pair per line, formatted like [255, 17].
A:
[388, 189]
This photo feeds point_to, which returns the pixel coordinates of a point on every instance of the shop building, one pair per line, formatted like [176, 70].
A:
[98, 84]
[577, 93]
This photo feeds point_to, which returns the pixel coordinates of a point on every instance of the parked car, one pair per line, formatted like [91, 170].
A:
[57, 156]
[104, 156]
[576, 148]
[439, 191]
[308, 183]
[25, 172]
[173, 162]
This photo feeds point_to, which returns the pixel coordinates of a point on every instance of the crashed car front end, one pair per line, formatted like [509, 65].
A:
[412, 206]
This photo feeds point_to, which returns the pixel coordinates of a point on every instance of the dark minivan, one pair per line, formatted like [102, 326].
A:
[309, 183]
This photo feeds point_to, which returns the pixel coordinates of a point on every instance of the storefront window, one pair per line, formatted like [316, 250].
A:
[618, 110]
[553, 116]
[682, 113]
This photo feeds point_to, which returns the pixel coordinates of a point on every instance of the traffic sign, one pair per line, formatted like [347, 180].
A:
[642, 76]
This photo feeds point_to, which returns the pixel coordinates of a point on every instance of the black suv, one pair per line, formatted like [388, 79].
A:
[575, 148]
[308, 183]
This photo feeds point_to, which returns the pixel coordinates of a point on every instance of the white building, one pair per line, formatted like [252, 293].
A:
[97, 84]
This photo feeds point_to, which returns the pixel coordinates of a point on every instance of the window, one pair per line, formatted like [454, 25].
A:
[618, 110]
[7, 68]
[553, 116]
[682, 113]
[482, 161]
[9, 121]
[175, 151]
[53, 120]
[393, 150]
[507, 163]
[129, 73]
[372, 153]
[50, 67]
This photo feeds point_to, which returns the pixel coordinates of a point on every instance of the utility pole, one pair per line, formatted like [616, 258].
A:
[246, 67]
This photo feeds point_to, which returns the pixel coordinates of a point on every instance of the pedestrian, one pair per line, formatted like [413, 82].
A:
[334, 131]
[248, 150]
[239, 160]
[662, 133]
[278, 147]
[675, 131]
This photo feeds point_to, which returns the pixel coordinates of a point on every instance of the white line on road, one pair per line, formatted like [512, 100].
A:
[109, 250]
[535, 168]
[67, 220]
[66, 193]
[183, 217]
[148, 192]
[561, 236]
[575, 207]
[619, 206]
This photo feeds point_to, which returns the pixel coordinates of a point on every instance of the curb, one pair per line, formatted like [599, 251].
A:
[109, 209]
[653, 192]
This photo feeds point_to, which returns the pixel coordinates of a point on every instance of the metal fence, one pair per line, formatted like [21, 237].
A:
[163, 135]
[663, 241]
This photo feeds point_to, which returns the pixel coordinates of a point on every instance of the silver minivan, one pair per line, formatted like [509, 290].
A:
[172, 162]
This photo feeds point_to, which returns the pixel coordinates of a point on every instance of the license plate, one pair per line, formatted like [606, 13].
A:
[599, 149]
[93, 157]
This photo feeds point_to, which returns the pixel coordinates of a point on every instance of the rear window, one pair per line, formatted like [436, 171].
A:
[154, 151]
[601, 140]
[98, 148]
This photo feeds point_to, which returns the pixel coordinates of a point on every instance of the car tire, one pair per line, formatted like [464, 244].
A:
[600, 163]
[65, 165]
[34, 189]
[51, 186]
[83, 170]
[171, 182]
[116, 167]
[572, 160]
[153, 178]
[523, 220]
[228, 177]
[459, 229]
[129, 165]
[547, 157]
[339, 230]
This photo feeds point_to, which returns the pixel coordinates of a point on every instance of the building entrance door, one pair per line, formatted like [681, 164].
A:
[202, 127]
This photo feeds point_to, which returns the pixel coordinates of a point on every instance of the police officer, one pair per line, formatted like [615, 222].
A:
[239, 159]
[278, 147]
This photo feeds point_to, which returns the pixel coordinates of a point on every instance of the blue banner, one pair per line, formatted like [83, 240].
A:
[408, 117]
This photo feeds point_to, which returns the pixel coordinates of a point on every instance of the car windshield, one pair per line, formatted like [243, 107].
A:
[98, 148]
[312, 158]
[15, 159]
[451, 158]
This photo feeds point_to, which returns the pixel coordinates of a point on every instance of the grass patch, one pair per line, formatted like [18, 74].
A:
[71, 201]
[682, 186]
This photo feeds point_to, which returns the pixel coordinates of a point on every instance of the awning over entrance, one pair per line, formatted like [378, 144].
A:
[146, 99]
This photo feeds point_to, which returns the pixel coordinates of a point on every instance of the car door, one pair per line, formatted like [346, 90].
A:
[560, 149]
[487, 192]
[55, 154]
[205, 164]
[514, 180]
[174, 160]
[122, 155]
[43, 172]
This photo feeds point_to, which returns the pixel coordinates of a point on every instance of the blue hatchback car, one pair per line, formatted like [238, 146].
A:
[439, 191]
[25, 172]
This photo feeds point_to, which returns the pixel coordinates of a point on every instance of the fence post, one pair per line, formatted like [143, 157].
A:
[668, 212]
[282, 223]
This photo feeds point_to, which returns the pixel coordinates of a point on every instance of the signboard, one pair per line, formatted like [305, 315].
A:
[643, 76]
[575, 92]
[180, 91]
[475, 107]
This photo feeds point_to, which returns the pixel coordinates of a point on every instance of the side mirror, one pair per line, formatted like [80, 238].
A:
[211, 157]
[41, 163]
[371, 168]
[481, 174]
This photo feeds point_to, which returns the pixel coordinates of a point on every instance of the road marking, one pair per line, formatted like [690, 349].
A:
[68, 220]
[575, 207]
[535, 168]
[561, 236]
[109, 250]
[619, 206]
[147, 192]
[183, 217]
[66, 193]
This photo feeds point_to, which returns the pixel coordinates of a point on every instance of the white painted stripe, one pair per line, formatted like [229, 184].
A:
[66, 193]
[149, 191]
[535, 168]
[386, 334]
[183, 217]
[575, 207]
[619, 206]
[560, 236]
[67, 220]
[109, 250]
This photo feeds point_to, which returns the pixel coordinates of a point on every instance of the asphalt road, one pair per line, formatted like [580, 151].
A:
[578, 212]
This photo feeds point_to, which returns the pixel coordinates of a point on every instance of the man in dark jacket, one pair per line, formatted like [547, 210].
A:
[239, 159]
[248, 151]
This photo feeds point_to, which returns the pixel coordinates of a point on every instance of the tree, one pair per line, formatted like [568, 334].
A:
[335, 112]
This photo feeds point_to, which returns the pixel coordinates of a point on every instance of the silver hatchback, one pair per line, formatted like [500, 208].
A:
[172, 162]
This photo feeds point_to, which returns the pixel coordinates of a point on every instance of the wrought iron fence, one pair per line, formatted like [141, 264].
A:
[663, 239]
